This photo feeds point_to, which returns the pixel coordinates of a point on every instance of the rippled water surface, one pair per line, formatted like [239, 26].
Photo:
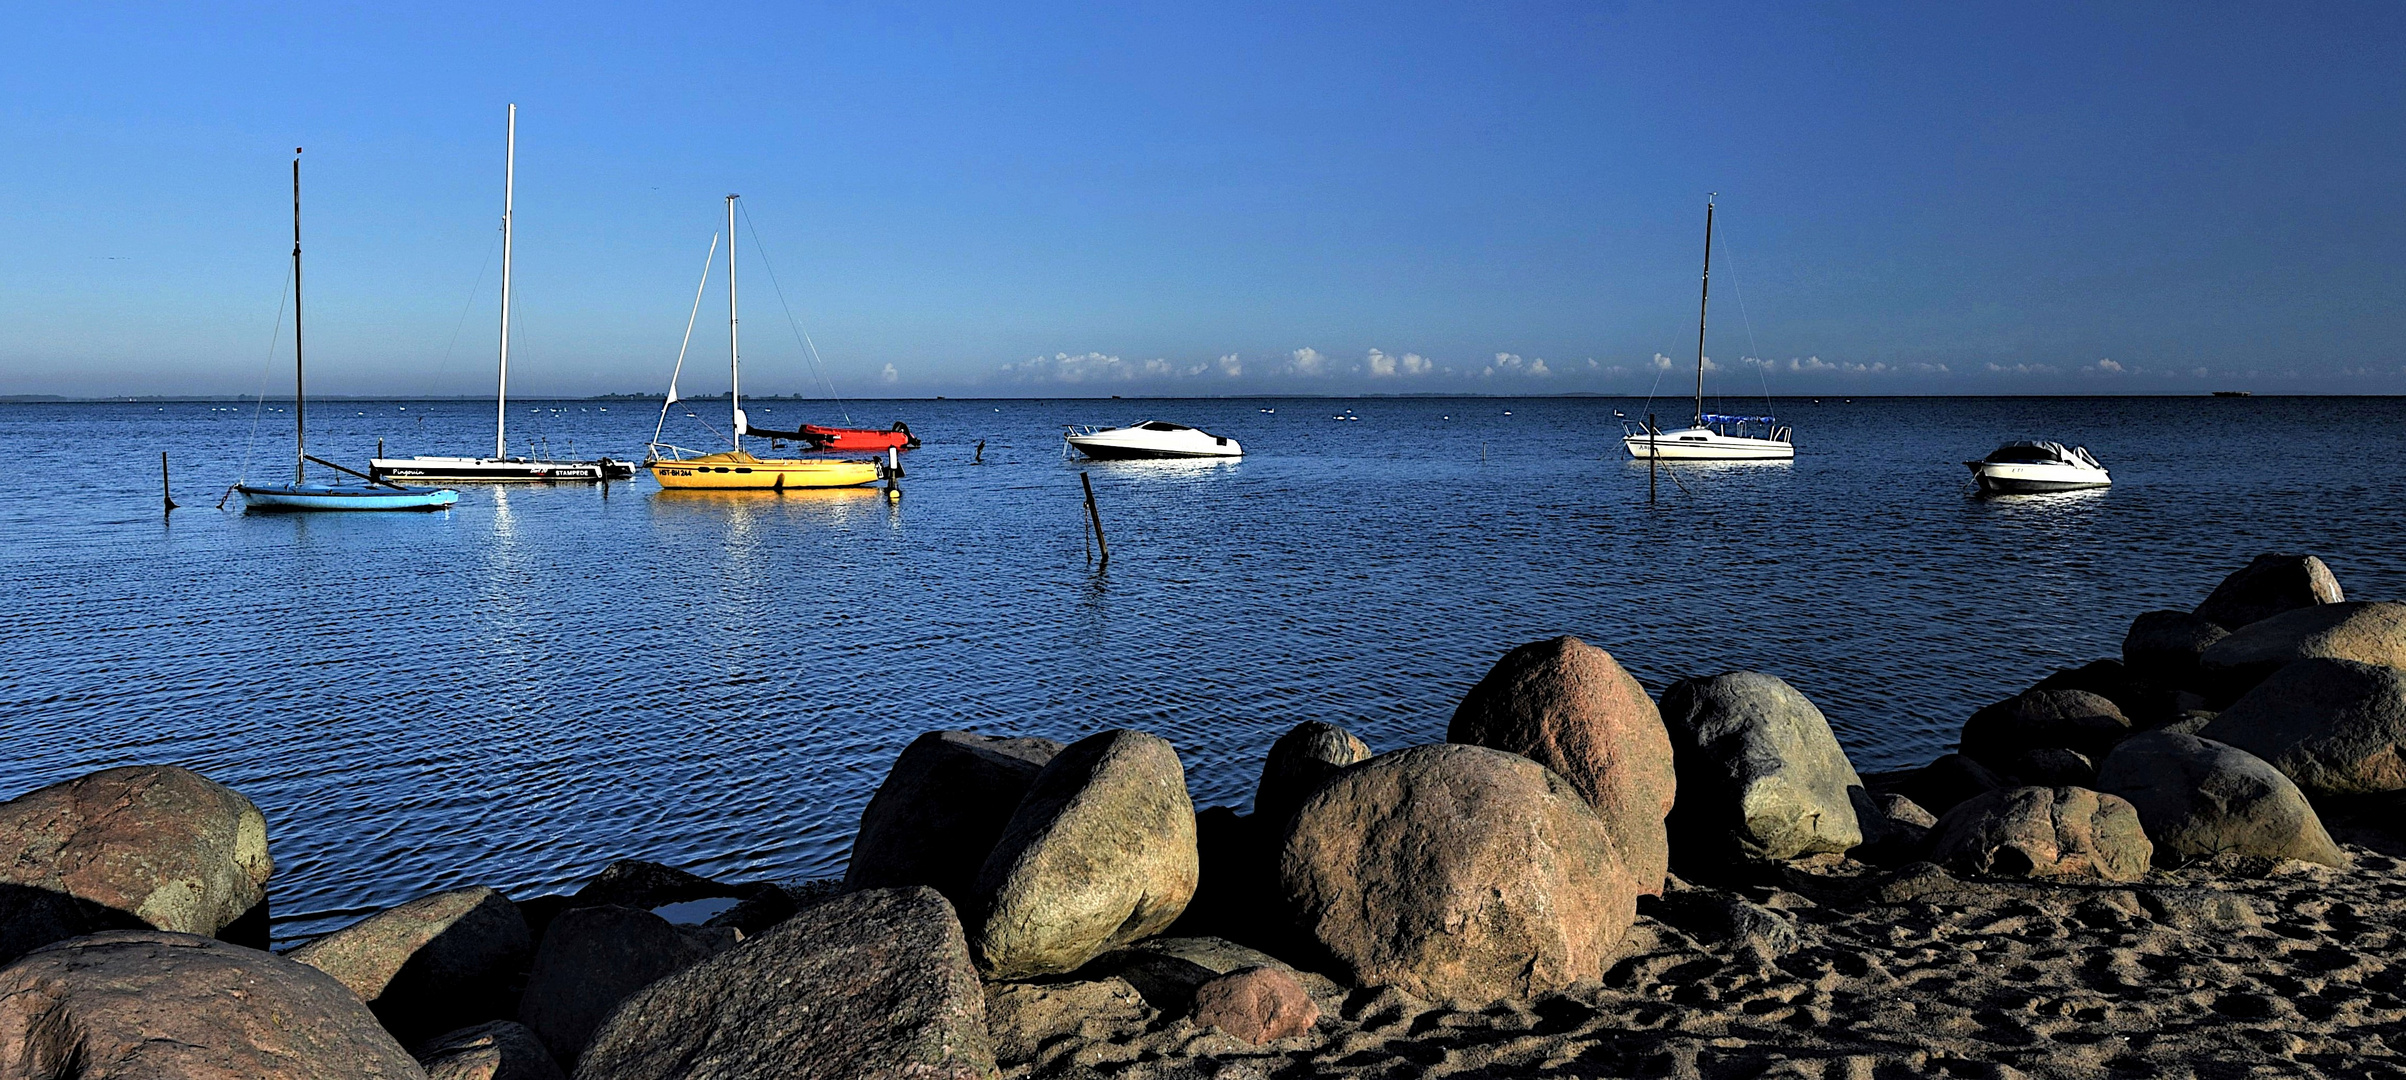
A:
[542, 680]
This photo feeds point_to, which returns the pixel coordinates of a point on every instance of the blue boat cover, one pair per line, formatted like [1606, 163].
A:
[1717, 418]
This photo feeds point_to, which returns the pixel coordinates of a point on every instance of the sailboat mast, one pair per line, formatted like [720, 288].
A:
[501, 397]
[300, 443]
[735, 378]
[1703, 299]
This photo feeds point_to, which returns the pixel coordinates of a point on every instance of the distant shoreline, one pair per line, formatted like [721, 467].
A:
[137, 399]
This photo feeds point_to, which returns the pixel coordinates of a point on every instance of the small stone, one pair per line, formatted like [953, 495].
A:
[1256, 1005]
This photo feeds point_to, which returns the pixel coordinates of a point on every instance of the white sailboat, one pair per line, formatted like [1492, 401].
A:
[501, 468]
[1711, 436]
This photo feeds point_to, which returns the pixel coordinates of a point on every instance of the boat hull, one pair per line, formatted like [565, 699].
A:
[276, 498]
[1705, 444]
[1104, 451]
[2006, 478]
[826, 438]
[739, 471]
[463, 470]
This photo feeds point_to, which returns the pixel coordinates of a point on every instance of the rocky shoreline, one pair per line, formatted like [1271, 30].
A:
[2186, 861]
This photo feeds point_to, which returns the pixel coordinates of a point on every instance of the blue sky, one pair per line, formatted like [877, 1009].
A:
[1188, 198]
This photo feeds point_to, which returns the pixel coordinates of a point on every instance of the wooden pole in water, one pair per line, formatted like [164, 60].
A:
[980, 459]
[166, 493]
[1095, 516]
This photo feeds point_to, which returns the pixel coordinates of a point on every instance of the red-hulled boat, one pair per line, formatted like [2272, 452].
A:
[898, 437]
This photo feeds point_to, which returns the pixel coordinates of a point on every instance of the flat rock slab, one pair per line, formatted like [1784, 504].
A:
[1570, 707]
[872, 984]
[1100, 853]
[147, 1005]
[434, 964]
[140, 846]
[500, 1050]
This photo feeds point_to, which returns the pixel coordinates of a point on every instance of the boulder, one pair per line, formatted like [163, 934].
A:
[2163, 646]
[872, 984]
[143, 1004]
[940, 810]
[1458, 873]
[143, 846]
[758, 907]
[1100, 853]
[2066, 832]
[2370, 633]
[2143, 702]
[2267, 586]
[2075, 720]
[431, 965]
[1895, 828]
[2053, 766]
[1256, 1005]
[500, 1050]
[2336, 727]
[1168, 970]
[1299, 762]
[1760, 774]
[1568, 706]
[635, 883]
[1943, 783]
[2198, 799]
[590, 960]
[1720, 919]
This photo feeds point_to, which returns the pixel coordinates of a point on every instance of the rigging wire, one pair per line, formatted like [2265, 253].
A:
[1762, 366]
[802, 338]
[266, 370]
[461, 323]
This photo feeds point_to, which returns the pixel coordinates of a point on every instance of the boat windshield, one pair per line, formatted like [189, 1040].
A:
[1158, 425]
[2039, 453]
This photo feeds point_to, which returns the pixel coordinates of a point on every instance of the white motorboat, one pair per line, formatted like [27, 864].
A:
[1151, 439]
[1709, 436]
[2023, 467]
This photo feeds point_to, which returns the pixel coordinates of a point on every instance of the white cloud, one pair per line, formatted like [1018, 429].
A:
[1309, 361]
[889, 375]
[1231, 366]
[1661, 362]
[1083, 367]
[1538, 368]
[2024, 369]
[2108, 365]
[1381, 364]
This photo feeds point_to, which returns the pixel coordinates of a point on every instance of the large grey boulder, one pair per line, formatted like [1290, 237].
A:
[940, 810]
[432, 965]
[151, 846]
[1299, 762]
[2267, 586]
[1569, 706]
[500, 1050]
[870, 984]
[1101, 852]
[590, 960]
[1457, 873]
[2198, 799]
[2076, 720]
[148, 1005]
[2337, 727]
[2163, 646]
[2065, 832]
[1760, 774]
[2370, 633]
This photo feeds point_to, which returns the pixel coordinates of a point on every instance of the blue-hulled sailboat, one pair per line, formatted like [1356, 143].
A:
[301, 494]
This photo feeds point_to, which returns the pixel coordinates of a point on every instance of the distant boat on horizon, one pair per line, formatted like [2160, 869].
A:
[2234, 393]
[502, 468]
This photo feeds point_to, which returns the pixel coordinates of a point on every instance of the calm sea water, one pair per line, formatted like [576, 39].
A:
[522, 689]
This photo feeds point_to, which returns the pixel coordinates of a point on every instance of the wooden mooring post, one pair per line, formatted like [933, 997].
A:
[166, 492]
[1096, 517]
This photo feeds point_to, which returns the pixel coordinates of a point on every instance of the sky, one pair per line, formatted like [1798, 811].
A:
[1196, 198]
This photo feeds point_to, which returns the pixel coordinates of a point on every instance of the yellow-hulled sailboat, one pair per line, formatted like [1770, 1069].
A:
[736, 469]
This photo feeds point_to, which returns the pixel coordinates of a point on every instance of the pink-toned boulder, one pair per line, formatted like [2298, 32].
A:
[1457, 873]
[1568, 706]
[1256, 1005]
[140, 846]
[148, 1005]
[2039, 832]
